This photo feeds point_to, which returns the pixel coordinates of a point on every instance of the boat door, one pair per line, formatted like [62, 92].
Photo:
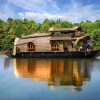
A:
[65, 46]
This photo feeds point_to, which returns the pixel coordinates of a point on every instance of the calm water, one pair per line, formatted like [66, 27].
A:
[49, 79]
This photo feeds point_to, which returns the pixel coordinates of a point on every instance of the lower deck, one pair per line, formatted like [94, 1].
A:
[68, 54]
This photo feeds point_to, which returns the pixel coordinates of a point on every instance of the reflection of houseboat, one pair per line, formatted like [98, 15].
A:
[57, 72]
[61, 42]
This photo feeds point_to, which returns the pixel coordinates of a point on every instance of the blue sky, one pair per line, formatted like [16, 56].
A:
[38, 10]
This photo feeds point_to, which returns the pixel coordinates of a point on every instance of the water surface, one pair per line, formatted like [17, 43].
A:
[49, 79]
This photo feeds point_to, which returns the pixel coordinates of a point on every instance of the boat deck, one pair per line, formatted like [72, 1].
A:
[74, 54]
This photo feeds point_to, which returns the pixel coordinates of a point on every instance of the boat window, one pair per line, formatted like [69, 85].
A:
[55, 46]
[31, 46]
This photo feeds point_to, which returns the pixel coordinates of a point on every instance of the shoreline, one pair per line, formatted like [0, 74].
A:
[2, 52]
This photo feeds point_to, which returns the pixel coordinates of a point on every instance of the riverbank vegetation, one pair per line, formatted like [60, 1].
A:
[13, 28]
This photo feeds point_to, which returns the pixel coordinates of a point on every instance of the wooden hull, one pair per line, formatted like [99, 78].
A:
[74, 54]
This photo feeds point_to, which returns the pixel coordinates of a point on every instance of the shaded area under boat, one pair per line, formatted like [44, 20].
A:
[68, 54]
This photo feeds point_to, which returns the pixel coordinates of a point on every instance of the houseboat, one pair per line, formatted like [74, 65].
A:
[59, 42]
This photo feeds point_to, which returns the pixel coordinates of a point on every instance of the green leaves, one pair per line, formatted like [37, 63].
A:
[95, 38]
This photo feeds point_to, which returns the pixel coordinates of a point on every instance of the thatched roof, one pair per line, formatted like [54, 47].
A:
[22, 41]
[29, 38]
[63, 29]
[36, 35]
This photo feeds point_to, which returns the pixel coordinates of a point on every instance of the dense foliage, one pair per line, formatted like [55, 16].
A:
[13, 28]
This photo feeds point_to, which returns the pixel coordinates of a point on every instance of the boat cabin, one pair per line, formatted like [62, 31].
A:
[57, 40]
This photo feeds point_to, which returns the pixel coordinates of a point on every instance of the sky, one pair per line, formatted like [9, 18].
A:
[38, 10]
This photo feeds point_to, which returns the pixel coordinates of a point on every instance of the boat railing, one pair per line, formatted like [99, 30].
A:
[62, 35]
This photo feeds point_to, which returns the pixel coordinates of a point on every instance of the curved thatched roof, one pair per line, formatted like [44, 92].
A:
[36, 35]
[29, 38]
[63, 29]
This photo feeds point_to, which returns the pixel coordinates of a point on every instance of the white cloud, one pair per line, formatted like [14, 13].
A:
[41, 9]
[75, 15]
[80, 12]
[40, 16]
[75, 12]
